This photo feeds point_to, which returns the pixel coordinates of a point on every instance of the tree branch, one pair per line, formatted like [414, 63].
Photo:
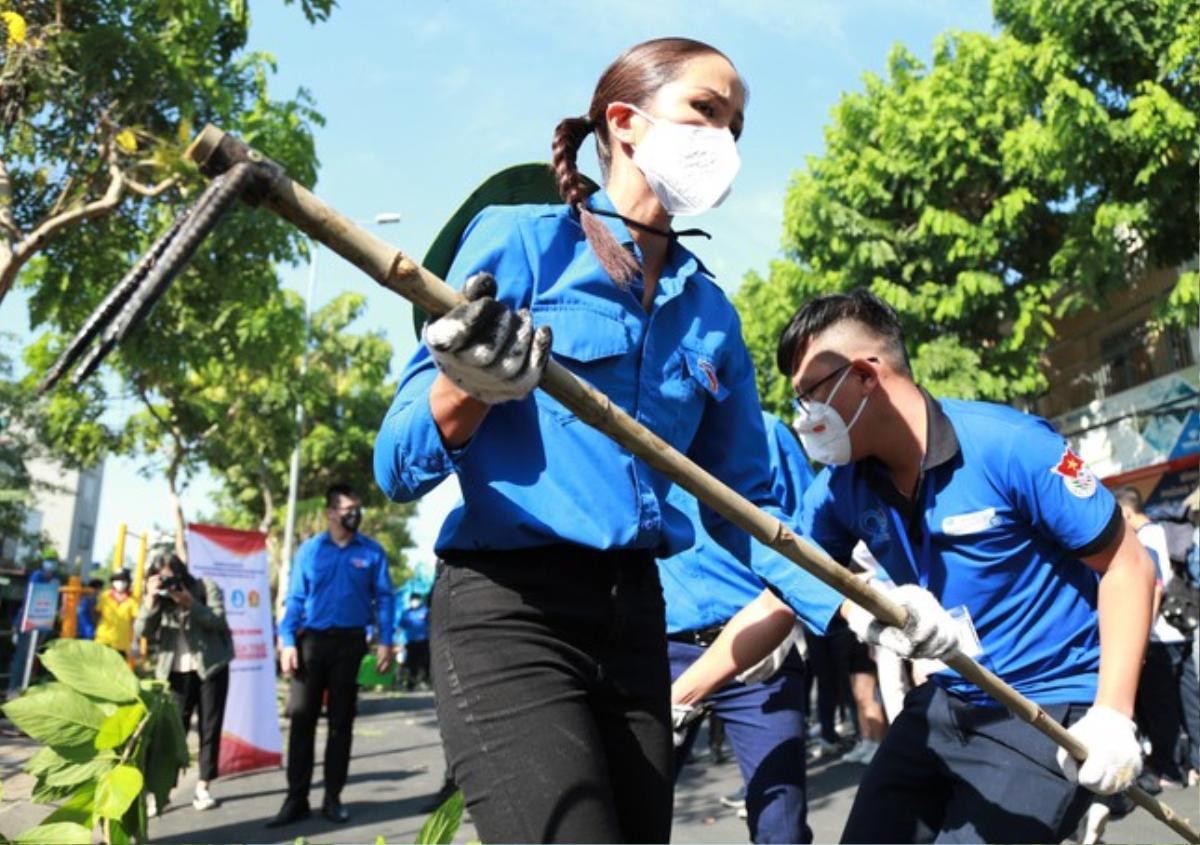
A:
[151, 190]
[39, 237]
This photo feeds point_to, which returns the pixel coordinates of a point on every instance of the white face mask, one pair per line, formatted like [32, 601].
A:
[822, 432]
[689, 168]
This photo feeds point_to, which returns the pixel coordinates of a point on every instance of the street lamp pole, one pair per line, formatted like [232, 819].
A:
[289, 532]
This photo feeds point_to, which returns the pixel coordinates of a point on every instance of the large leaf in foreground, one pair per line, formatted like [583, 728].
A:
[92, 669]
[56, 715]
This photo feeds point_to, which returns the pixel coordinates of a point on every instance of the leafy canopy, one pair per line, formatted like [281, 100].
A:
[1016, 179]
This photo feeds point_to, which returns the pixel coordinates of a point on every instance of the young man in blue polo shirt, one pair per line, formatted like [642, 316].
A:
[985, 511]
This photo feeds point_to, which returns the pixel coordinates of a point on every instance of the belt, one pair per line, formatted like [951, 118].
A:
[703, 637]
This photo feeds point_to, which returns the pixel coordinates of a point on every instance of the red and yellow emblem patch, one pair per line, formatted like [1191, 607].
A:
[1077, 478]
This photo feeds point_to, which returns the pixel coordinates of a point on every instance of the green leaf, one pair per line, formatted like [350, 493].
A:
[117, 790]
[117, 835]
[51, 759]
[57, 833]
[166, 753]
[92, 669]
[120, 725]
[77, 808]
[80, 772]
[439, 829]
[56, 715]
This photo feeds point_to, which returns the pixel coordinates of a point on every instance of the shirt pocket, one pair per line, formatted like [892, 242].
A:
[692, 381]
[592, 345]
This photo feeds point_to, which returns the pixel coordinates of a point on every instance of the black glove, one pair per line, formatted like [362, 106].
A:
[485, 348]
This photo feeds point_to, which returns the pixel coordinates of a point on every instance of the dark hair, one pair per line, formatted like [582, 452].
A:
[817, 315]
[336, 491]
[1130, 497]
[633, 78]
[178, 567]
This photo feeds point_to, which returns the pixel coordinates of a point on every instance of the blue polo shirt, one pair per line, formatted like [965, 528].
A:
[710, 582]
[533, 474]
[334, 586]
[1000, 519]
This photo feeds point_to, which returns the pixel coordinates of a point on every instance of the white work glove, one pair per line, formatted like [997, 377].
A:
[682, 716]
[930, 631]
[1114, 757]
[485, 348]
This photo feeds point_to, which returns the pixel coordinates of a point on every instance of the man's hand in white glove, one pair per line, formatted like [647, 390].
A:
[1114, 756]
[682, 717]
[930, 631]
[485, 348]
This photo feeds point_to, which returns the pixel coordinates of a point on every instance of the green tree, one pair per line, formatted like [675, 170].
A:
[345, 392]
[1018, 178]
[99, 102]
[17, 445]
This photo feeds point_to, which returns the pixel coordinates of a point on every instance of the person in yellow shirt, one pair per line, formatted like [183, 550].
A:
[116, 609]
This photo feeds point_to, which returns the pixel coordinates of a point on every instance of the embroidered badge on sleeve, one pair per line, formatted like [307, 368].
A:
[1077, 477]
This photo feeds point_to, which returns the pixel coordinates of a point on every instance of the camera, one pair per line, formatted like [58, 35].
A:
[171, 582]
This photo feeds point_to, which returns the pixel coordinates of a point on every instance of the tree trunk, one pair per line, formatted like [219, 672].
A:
[177, 507]
[8, 229]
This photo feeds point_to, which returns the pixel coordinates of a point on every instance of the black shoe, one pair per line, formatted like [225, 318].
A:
[293, 810]
[333, 810]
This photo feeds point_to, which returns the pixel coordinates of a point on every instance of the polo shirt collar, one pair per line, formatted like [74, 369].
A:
[941, 447]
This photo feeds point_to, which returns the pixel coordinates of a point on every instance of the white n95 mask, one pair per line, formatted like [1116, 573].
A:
[822, 432]
[689, 168]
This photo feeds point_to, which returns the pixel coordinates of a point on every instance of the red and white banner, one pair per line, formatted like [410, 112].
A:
[237, 561]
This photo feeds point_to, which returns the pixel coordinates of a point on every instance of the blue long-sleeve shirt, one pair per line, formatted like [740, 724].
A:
[533, 474]
[335, 586]
[708, 583]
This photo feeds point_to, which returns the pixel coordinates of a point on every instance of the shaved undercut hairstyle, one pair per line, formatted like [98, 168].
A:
[1128, 496]
[819, 315]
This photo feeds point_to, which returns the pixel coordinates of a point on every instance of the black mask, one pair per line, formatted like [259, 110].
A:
[351, 519]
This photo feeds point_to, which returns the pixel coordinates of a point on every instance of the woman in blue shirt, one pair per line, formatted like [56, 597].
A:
[549, 657]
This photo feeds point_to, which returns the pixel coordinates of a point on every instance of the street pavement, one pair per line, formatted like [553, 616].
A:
[397, 768]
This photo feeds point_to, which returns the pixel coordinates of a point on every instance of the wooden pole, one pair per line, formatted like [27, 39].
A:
[214, 151]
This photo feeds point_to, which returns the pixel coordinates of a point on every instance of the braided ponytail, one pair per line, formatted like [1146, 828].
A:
[620, 265]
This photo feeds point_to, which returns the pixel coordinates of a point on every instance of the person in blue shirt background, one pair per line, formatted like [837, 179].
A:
[339, 586]
[550, 664]
[412, 629]
[704, 587]
[987, 511]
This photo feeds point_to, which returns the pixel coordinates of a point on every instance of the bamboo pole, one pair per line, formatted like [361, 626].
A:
[215, 151]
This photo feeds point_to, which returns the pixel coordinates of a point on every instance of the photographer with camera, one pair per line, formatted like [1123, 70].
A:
[183, 619]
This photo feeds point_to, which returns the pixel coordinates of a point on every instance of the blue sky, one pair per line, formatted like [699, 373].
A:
[424, 100]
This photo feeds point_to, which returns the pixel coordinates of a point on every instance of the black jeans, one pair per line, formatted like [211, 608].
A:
[1163, 702]
[553, 687]
[416, 663]
[329, 660]
[206, 699]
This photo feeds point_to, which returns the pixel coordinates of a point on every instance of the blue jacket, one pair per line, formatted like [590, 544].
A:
[535, 475]
[707, 584]
[338, 587]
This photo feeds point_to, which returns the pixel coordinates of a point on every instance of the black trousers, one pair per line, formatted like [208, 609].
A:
[416, 663]
[329, 661]
[948, 771]
[206, 699]
[1160, 704]
[552, 685]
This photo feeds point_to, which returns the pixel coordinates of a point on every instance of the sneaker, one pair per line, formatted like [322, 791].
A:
[203, 799]
[151, 806]
[1193, 778]
[822, 750]
[741, 813]
[862, 752]
[736, 801]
